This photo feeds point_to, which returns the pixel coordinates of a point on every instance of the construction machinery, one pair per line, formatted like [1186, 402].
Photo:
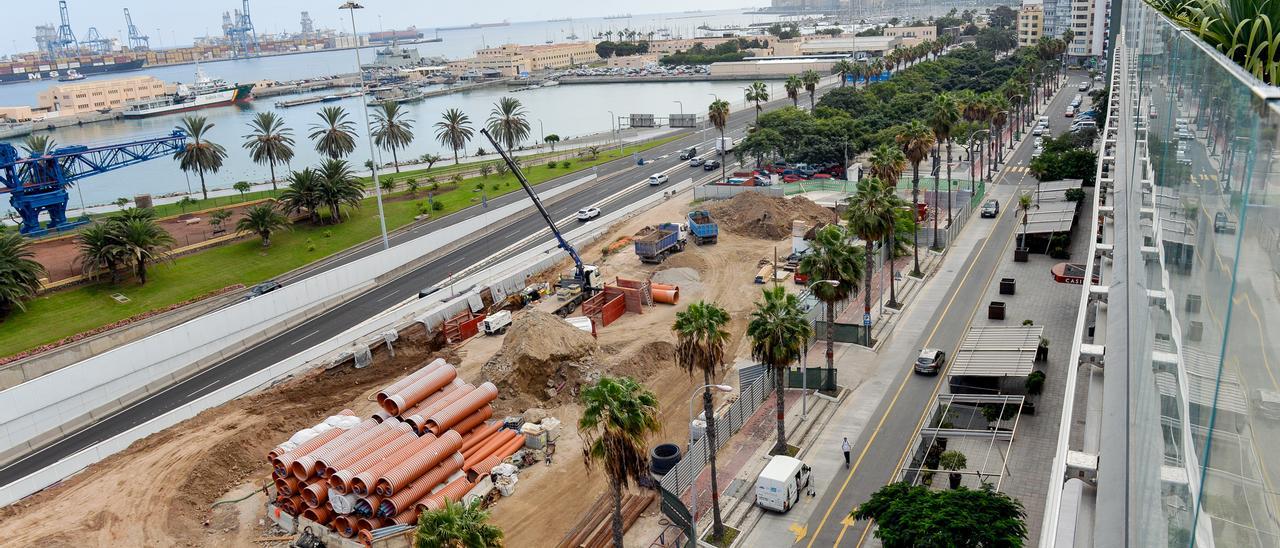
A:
[39, 182]
[585, 280]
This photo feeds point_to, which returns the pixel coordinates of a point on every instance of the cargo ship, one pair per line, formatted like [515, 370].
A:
[35, 68]
[409, 34]
[205, 92]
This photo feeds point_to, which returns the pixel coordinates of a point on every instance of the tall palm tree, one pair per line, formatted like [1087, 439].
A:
[758, 92]
[508, 122]
[887, 163]
[870, 215]
[811, 79]
[943, 117]
[832, 258]
[718, 113]
[454, 130]
[269, 142]
[844, 68]
[19, 273]
[700, 341]
[392, 130]
[338, 187]
[618, 416]
[100, 248]
[793, 85]
[263, 219]
[915, 139]
[303, 194]
[36, 144]
[778, 329]
[457, 525]
[1025, 205]
[335, 135]
[200, 154]
[144, 242]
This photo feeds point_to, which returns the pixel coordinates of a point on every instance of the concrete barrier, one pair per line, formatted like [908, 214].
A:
[724, 192]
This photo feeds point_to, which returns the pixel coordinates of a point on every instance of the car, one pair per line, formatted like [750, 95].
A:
[262, 289]
[1151, 113]
[710, 165]
[1183, 157]
[689, 153]
[1186, 135]
[1084, 126]
[1222, 224]
[1084, 86]
[1039, 130]
[428, 291]
[1071, 111]
[990, 209]
[792, 178]
[930, 361]
[696, 161]
[588, 213]
[657, 179]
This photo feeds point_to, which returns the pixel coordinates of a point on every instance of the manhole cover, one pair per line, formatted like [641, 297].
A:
[120, 298]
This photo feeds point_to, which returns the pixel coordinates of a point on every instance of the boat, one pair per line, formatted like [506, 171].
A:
[620, 16]
[503, 23]
[409, 34]
[71, 75]
[205, 92]
[33, 68]
[396, 94]
[395, 57]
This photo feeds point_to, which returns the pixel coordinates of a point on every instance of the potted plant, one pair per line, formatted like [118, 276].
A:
[1035, 383]
[954, 461]
[1042, 350]
[1022, 252]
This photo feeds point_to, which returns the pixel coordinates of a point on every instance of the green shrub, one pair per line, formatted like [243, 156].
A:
[1035, 383]
[437, 206]
[565, 164]
[551, 164]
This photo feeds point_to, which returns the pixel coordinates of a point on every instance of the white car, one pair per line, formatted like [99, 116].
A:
[588, 213]
[655, 180]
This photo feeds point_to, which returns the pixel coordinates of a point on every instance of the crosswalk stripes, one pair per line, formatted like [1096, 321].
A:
[1206, 177]
[1019, 169]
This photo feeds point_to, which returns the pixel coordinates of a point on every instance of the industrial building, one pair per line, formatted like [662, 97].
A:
[96, 95]
[514, 59]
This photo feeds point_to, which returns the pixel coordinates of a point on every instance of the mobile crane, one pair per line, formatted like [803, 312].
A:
[586, 279]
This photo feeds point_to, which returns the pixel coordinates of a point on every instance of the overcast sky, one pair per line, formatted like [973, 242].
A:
[184, 19]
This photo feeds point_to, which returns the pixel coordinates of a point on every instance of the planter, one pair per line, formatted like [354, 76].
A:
[1042, 353]
[995, 310]
[1028, 408]
[1021, 254]
[1195, 330]
[1193, 304]
[1008, 286]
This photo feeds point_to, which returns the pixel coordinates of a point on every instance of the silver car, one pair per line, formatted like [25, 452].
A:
[930, 361]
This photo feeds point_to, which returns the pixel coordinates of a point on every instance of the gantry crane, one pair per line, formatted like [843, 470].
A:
[243, 37]
[137, 40]
[66, 40]
[39, 182]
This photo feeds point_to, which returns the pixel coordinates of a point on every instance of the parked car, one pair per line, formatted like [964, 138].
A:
[1151, 113]
[930, 361]
[696, 161]
[428, 291]
[262, 289]
[1071, 111]
[782, 482]
[588, 213]
[657, 179]
[792, 178]
[711, 165]
[1038, 131]
[990, 209]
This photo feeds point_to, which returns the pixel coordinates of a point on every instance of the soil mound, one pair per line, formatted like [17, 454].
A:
[755, 215]
[542, 356]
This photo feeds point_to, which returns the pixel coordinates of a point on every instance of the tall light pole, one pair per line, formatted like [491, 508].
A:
[351, 8]
[971, 140]
[613, 120]
[541, 132]
[681, 107]
[693, 489]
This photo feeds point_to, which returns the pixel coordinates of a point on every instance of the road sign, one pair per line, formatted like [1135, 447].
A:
[866, 319]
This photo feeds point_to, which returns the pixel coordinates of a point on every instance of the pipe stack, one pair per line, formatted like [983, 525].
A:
[429, 442]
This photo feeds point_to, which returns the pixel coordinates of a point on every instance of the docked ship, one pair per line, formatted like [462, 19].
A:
[71, 75]
[407, 35]
[205, 92]
[29, 68]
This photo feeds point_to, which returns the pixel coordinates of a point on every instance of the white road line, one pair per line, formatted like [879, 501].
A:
[304, 337]
[385, 297]
[202, 388]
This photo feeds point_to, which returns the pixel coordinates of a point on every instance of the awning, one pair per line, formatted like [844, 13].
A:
[997, 352]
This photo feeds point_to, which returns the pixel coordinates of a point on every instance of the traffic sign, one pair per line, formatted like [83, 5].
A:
[866, 319]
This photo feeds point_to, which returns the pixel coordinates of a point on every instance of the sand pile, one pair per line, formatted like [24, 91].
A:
[542, 358]
[688, 279]
[755, 215]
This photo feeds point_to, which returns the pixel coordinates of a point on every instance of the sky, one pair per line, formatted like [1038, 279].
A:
[180, 20]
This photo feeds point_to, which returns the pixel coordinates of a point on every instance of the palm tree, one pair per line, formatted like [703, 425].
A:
[457, 525]
[757, 93]
[391, 129]
[200, 155]
[871, 216]
[778, 329]
[718, 113]
[269, 142]
[832, 258]
[100, 248]
[943, 117]
[844, 68]
[338, 187]
[700, 342]
[454, 130]
[618, 416]
[508, 123]
[335, 135]
[144, 242]
[888, 163]
[263, 219]
[303, 194]
[811, 79]
[39, 145]
[1025, 206]
[915, 139]
[793, 85]
[19, 274]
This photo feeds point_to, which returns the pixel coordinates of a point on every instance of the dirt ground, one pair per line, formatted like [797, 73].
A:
[158, 492]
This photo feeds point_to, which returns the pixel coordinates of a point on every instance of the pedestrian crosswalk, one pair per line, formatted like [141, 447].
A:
[1205, 177]
[1019, 169]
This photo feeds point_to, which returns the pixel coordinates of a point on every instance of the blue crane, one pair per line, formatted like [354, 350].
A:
[137, 40]
[39, 182]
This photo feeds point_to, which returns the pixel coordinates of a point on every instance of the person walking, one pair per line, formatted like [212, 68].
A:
[845, 447]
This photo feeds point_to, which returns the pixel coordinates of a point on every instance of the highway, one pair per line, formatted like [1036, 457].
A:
[614, 177]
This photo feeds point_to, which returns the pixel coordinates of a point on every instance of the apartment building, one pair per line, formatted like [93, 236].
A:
[1030, 24]
[912, 35]
[98, 95]
[1088, 20]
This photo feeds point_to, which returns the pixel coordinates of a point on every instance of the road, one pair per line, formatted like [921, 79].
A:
[614, 177]
[880, 451]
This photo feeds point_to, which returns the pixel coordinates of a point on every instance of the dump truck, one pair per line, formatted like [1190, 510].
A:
[665, 239]
[703, 227]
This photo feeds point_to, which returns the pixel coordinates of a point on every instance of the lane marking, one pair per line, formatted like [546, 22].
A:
[198, 390]
[304, 337]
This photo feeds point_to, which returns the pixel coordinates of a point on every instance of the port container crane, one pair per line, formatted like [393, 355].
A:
[39, 182]
[66, 40]
[137, 40]
[244, 39]
[95, 41]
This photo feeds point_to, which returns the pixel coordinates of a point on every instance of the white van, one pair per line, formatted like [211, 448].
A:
[781, 483]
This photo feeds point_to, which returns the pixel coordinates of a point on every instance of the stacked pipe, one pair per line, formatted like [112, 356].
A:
[428, 443]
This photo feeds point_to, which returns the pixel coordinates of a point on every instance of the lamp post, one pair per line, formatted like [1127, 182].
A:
[613, 120]
[1022, 108]
[972, 163]
[351, 8]
[541, 132]
[681, 106]
[693, 489]
[804, 354]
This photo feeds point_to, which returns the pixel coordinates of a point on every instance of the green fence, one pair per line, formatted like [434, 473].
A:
[817, 377]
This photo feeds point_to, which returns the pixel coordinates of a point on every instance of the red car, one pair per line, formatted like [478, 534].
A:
[791, 178]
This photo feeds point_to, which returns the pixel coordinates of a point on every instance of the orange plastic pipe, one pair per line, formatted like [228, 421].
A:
[419, 418]
[472, 421]
[420, 389]
[455, 412]
[419, 464]
[371, 436]
[421, 487]
[432, 399]
[279, 450]
[407, 380]
[479, 452]
[362, 484]
[485, 466]
[345, 525]
[318, 515]
[392, 431]
[666, 293]
[479, 434]
[280, 464]
[340, 480]
[452, 492]
[305, 464]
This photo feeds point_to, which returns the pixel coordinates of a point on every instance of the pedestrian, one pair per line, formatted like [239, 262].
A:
[845, 447]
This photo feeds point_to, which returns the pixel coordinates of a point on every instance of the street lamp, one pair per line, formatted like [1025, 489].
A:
[351, 8]
[972, 141]
[693, 489]
[1000, 137]
[613, 120]
[681, 107]
[804, 355]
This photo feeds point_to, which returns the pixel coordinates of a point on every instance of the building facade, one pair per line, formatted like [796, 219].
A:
[911, 36]
[95, 95]
[1030, 24]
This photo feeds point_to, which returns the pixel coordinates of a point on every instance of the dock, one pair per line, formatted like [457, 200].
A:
[317, 99]
[339, 81]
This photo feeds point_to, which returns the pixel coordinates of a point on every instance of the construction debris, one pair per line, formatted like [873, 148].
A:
[756, 215]
[541, 357]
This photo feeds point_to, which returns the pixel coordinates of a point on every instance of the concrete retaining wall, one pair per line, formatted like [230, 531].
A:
[724, 192]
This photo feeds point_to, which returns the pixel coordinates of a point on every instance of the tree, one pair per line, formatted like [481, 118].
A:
[832, 258]
[269, 142]
[392, 129]
[913, 515]
[144, 242]
[217, 218]
[778, 330]
[811, 79]
[944, 114]
[758, 92]
[508, 122]
[457, 525]
[263, 219]
[844, 68]
[38, 145]
[19, 274]
[700, 341]
[454, 130]
[335, 135]
[430, 160]
[551, 139]
[953, 461]
[871, 216]
[718, 113]
[618, 416]
[99, 248]
[200, 155]
[243, 188]
[338, 187]
[887, 163]
[916, 139]
[793, 85]
[303, 194]
[186, 202]
[1025, 205]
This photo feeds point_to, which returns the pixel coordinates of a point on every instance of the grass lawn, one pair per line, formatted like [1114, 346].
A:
[54, 316]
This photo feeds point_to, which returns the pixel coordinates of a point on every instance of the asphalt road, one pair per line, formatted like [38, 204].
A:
[614, 177]
[883, 445]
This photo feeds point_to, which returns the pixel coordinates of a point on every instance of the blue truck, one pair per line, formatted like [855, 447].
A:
[662, 241]
[703, 227]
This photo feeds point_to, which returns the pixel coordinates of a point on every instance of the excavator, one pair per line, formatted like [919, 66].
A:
[584, 280]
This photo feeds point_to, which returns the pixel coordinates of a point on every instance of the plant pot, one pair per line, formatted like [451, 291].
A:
[1008, 286]
[955, 480]
[995, 310]
[1021, 254]
[1042, 353]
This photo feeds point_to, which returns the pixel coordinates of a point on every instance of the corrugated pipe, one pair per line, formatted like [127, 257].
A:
[391, 431]
[432, 399]
[419, 390]
[345, 526]
[367, 506]
[380, 415]
[483, 450]
[318, 515]
[280, 464]
[407, 380]
[419, 464]
[340, 480]
[479, 434]
[292, 505]
[419, 418]
[666, 293]
[363, 483]
[368, 524]
[452, 492]
[408, 517]
[315, 494]
[279, 450]
[365, 439]
[485, 466]
[457, 411]
[285, 486]
[305, 464]
[472, 421]
[420, 487]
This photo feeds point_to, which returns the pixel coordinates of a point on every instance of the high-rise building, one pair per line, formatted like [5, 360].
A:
[1030, 23]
